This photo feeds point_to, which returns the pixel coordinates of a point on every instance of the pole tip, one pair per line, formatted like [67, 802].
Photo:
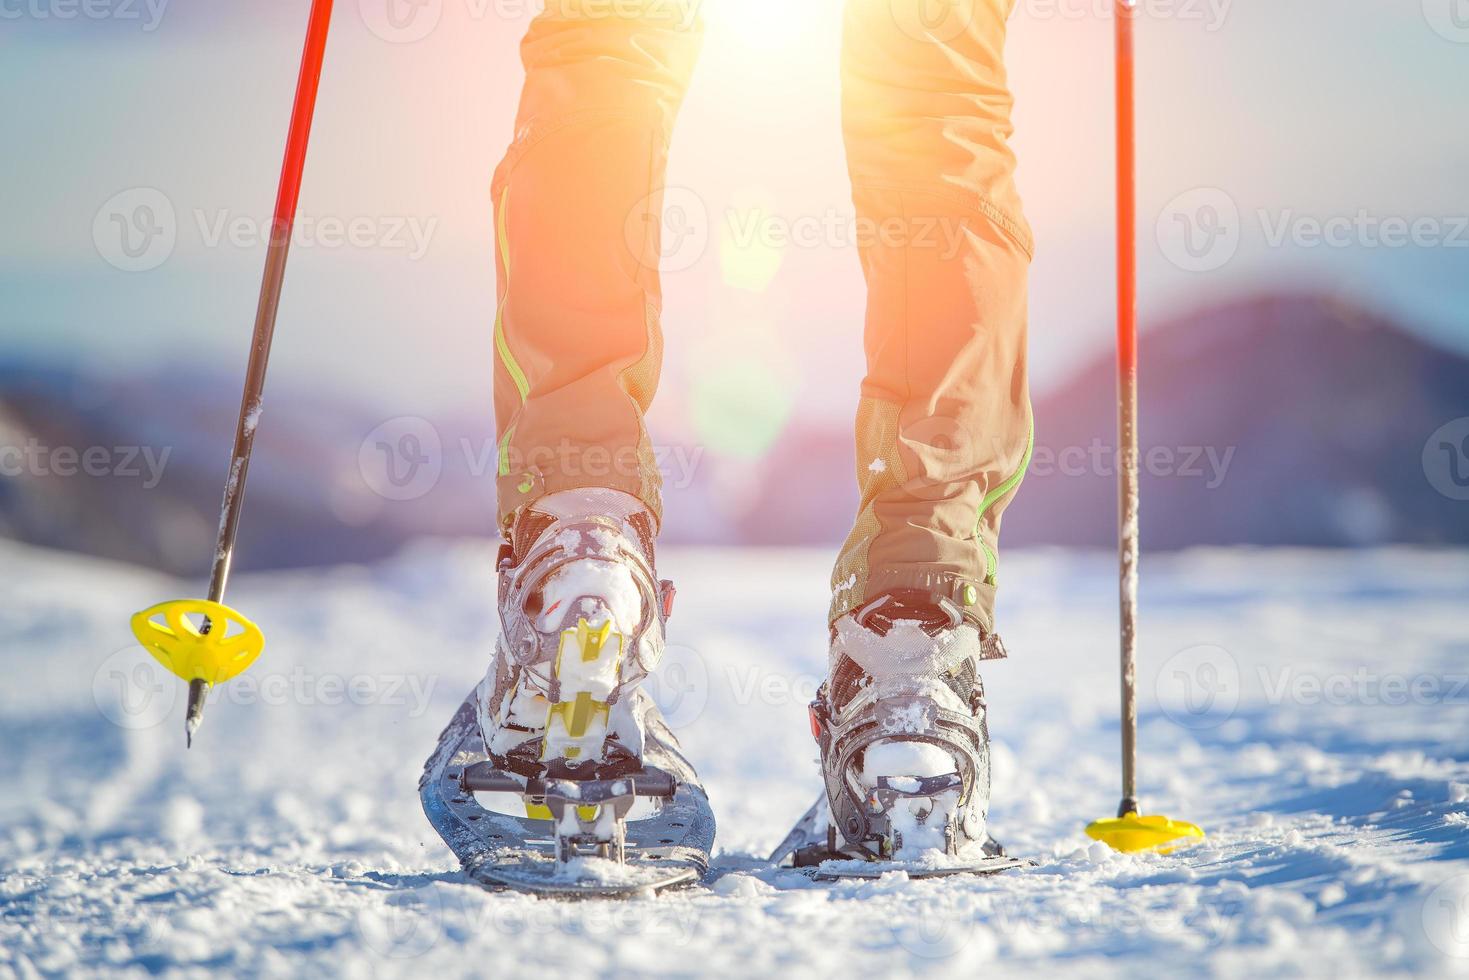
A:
[195, 715]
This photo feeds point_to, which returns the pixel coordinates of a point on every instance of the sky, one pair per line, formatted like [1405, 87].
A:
[1299, 144]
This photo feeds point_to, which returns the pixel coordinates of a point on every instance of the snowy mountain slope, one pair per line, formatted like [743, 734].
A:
[1309, 709]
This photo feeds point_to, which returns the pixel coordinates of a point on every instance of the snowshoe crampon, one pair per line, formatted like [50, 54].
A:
[580, 837]
[814, 846]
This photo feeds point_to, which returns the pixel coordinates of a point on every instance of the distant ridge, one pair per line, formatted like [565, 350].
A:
[1275, 420]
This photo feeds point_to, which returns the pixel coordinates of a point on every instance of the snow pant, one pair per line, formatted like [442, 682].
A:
[943, 424]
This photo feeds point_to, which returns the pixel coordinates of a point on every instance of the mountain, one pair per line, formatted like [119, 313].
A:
[1281, 420]
[159, 448]
[1277, 420]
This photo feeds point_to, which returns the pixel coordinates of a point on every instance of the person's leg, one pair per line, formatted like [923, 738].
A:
[943, 427]
[578, 207]
[944, 424]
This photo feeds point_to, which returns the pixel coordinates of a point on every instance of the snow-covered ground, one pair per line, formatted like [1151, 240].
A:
[1311, 710]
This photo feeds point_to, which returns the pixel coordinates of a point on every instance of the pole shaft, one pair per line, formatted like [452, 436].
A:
[287, 196]
[1127, 545]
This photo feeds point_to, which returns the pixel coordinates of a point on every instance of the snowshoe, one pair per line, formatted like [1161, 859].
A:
[901, 724]
[559, 730]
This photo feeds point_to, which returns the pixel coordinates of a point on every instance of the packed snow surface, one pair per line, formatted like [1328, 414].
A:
[1308, 709]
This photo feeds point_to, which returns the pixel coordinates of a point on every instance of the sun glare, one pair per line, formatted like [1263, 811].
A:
[770, 29]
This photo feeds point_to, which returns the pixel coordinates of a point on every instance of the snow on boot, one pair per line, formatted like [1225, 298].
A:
[583, 622]
[903, 733]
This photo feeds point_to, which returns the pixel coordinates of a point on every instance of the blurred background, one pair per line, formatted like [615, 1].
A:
[1304, 261]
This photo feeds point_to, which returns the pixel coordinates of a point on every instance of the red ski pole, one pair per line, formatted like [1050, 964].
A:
[1129, 831]
[1127, 488]
[212, 652]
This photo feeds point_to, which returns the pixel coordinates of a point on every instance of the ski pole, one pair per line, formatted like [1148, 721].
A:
[1129, 831]
[224, 643]
[1127, 441]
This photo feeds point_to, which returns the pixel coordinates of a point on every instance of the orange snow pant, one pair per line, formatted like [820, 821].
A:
[944, 428]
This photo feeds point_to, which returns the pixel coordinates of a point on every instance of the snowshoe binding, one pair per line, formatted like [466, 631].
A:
[901, 723]
[593, 794]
